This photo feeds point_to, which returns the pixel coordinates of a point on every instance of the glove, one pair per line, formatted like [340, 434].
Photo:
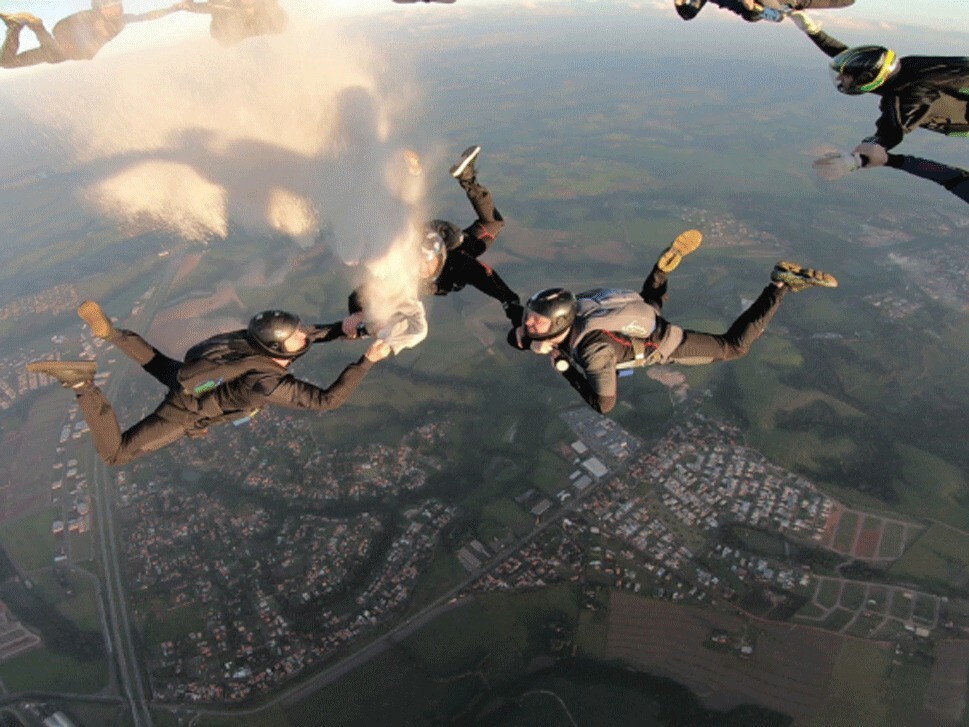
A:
[803, 21]
[837, 164]
[772, 15]
[875, 154]
[514, 311]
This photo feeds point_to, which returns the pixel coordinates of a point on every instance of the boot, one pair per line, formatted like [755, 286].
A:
[71, 374]
[797, 278]
[97, 319]
[683, 245]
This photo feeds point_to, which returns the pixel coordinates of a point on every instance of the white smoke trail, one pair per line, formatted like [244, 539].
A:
[291, 135]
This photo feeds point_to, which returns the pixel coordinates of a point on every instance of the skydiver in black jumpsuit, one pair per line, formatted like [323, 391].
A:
[257, 377]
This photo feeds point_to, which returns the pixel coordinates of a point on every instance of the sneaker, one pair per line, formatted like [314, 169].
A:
[683, 245]
[71, 374]
[797, 278]
[96, 318]
[464, 169]
[17, 20]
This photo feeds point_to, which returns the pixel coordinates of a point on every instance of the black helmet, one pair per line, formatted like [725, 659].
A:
[268, 330]
[556, 304]
[433, 250]
[863, 69]
[688, 9]
[450, 233]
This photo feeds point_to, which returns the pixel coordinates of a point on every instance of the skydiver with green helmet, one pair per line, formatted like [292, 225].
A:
[927, 92]
[592, 336]
[226, 378]
[77, 37]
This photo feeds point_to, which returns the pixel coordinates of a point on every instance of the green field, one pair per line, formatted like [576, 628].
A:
[932, 487]
[838, 619]
[853, 596]
[828, 591]
[435, 672]
[856, 688]
[891, 542]
[44, 671]
[939, 555]
[901, 607]
[29, 541]
[509, 514]
[83, 607]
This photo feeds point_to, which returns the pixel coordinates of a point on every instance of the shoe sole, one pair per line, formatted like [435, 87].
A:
[794, 275]
[92, 314]
[683, 245]
[467, 157]
[49, 367]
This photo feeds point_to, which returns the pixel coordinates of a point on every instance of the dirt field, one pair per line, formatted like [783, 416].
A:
[867, 544]
[945, 698]
[789, 671]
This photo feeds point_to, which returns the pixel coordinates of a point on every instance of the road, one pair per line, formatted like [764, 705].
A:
[128, 667]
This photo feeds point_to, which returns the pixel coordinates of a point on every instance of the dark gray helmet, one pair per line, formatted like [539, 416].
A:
[268, 330]
[433, 248]
[450, 233]
[556, 304]
[863, 69]
[688, 9]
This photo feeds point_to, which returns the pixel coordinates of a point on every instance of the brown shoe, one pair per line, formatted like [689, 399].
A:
[96, 318]
[18, 20]
[71, 374]
[797, 278]
[683, 245]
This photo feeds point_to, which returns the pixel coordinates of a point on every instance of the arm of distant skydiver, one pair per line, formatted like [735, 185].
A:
[828, 45]
[190, 6]
[153, 14]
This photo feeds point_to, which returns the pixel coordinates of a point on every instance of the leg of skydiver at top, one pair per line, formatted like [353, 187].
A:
[702, 348]
[49, 50]
[480, 235]
[160, 366]
[654, 287]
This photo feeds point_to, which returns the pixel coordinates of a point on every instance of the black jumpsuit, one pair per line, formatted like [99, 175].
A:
[461, 266]
[927, 92]
[183, 414]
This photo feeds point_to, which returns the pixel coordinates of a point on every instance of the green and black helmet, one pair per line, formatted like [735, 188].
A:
[863, 69]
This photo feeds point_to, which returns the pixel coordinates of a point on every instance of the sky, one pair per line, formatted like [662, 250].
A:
[940, 14]
[882, 15]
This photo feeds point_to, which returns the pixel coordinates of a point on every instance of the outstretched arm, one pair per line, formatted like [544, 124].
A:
[828, 45]
[294, 393]
[153, 14]
[325, 332]
[191, 6]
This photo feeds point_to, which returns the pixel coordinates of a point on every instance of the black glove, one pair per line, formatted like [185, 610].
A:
[514, 311]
